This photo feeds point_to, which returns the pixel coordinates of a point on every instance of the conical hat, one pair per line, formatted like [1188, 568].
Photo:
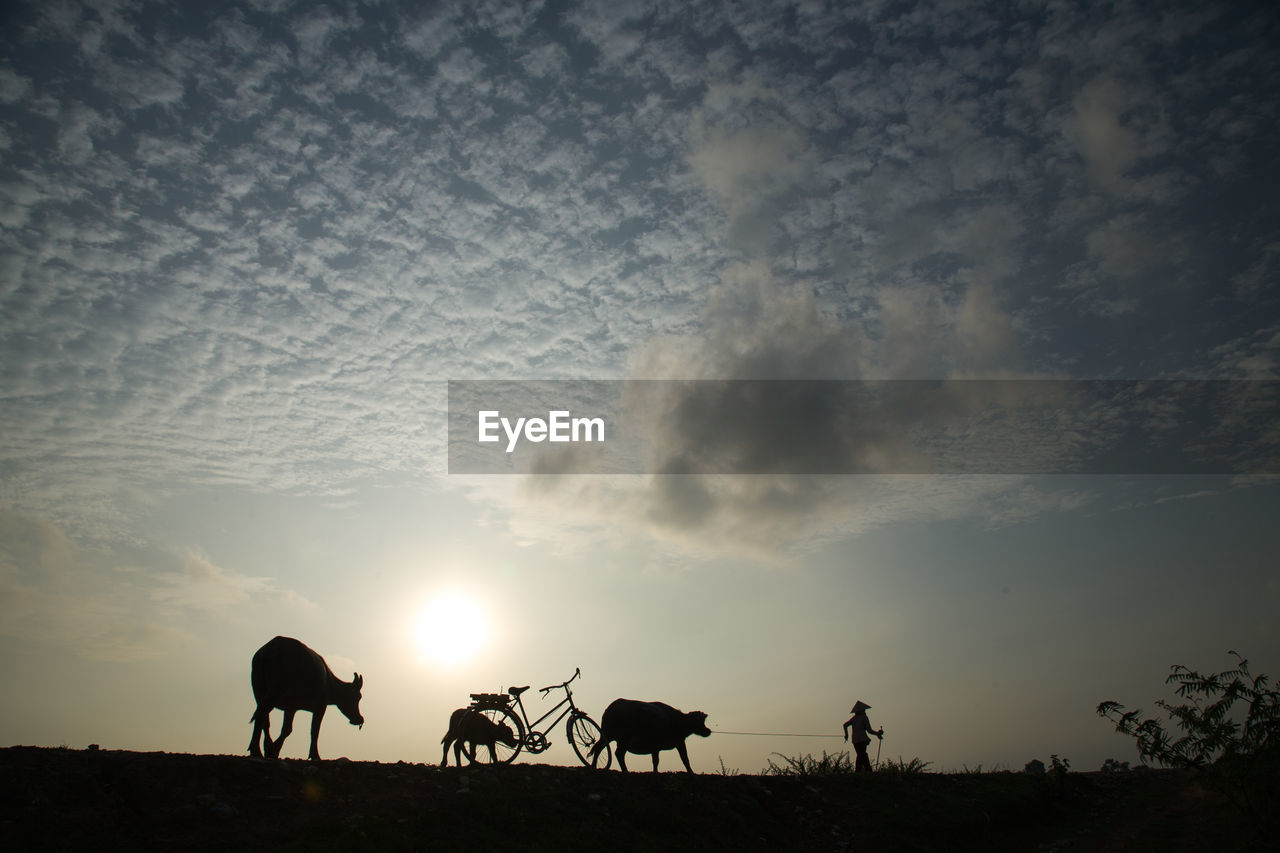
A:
[859, 706]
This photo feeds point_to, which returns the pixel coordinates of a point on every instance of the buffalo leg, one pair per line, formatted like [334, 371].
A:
[317, 717]
[655, 761]
[684, 756]
[621, 752]
[261, 725]
[286, 727]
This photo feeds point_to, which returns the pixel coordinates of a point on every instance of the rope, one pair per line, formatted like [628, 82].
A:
[767, 734]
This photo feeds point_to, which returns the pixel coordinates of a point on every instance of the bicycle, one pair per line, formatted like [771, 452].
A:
[500, 708]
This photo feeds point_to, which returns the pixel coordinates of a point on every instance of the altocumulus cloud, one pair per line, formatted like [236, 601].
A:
[242, 244]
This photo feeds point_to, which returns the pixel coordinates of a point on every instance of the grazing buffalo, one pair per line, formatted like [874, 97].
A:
[470, 726]
[648, 728]
[289, 676]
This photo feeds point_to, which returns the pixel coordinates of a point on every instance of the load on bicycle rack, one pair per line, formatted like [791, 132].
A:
[508, 709]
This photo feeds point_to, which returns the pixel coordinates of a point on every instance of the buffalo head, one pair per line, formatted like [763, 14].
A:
[349, 705]
[503, 734]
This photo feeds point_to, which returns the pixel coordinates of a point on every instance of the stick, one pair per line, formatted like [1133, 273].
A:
[878, 745]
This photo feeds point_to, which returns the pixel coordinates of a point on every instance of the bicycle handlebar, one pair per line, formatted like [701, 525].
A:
[576, 673]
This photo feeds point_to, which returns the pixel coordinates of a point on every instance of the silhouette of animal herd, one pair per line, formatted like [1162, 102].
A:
[289, 676]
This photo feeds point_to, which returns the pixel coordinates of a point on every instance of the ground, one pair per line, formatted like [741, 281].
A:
[65, 799]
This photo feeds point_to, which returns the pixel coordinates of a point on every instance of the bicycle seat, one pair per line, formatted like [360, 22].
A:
[516, 691]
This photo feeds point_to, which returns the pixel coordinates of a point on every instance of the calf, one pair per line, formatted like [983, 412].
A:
[289, 676]
[470, 726]
[648, 728]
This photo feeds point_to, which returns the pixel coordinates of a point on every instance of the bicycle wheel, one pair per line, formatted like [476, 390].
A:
[584, 734]
[507, 745]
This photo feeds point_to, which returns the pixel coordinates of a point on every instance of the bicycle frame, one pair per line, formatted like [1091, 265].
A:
[530, 727]
[531, 736]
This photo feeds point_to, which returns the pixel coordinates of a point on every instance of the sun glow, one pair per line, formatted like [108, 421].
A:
[452, 629]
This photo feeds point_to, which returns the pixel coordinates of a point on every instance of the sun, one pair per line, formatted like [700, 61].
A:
[451, 629]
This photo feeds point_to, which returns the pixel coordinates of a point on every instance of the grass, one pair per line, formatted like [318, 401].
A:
[915, 765]
[830, 764]
[835, 764]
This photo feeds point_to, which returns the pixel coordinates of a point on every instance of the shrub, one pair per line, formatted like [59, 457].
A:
[915, 765]
[1240, 757]
[807, 765]
[834, 764]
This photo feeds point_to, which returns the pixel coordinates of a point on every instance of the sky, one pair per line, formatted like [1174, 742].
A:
[246, 246]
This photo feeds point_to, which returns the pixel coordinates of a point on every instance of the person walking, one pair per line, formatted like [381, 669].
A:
[862, 732]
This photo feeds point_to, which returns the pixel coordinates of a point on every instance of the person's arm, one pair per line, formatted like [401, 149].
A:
[847, 724]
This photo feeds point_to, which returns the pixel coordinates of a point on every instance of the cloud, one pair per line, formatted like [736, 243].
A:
[13, 87]
[984, 331]
[201, 585]
[753, 327]
[78, 124]
[1027, 501]
[94, 604]
[53, 593]
[249, 249]
[32, 545]
[314, 31]
[1254, 356]
[1261, 271]
[747, 153]
[1109, 147]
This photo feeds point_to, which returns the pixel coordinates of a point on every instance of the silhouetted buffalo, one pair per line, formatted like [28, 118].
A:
[470, 726]
[289, 676]
[648, 728]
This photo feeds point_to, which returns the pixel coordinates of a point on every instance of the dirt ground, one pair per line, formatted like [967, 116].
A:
[64, 799]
